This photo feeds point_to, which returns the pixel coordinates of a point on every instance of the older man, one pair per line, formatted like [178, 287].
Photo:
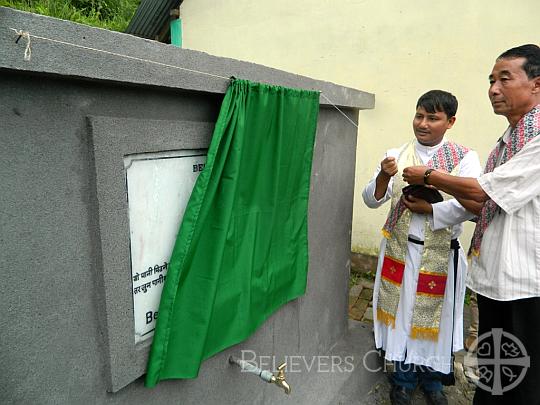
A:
[505, 268]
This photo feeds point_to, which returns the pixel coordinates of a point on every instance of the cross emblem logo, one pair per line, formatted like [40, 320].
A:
[392, 270]
[502, 361]
[432, 284]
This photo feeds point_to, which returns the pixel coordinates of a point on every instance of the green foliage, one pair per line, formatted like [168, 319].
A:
[110, 14]
[354, 278]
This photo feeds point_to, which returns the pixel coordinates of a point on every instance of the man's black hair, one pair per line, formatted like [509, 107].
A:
[531, 53]
[438, 101]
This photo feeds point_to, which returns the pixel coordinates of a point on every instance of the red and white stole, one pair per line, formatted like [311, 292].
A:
[434, 263]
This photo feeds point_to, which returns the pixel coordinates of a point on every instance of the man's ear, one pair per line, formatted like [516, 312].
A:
[451, 122]
[536, 85]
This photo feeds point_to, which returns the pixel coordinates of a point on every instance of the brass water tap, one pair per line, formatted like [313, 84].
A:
[265, 375]
[279, 380]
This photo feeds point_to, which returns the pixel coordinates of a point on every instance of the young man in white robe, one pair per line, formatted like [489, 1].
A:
[420, 281]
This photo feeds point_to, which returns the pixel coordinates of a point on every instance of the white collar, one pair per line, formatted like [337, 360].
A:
[428, 150]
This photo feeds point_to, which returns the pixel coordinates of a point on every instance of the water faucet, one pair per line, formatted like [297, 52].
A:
[266, 375]
[279, 380]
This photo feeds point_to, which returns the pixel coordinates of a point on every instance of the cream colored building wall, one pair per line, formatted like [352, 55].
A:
[395, 49]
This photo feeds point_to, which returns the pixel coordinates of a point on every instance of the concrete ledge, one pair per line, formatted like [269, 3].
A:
[57, 58]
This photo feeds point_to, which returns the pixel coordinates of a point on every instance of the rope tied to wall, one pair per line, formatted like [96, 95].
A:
[25, 35]
[28, 56]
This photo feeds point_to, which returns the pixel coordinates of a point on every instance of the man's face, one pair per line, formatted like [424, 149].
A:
[510, 90]
[429, 128]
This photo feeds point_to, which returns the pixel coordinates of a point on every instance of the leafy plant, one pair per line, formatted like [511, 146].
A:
[114, 15]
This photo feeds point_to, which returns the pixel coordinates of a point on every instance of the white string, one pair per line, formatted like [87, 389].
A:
[337, 108]
[28, 50]
[28, 35]
[28, 56]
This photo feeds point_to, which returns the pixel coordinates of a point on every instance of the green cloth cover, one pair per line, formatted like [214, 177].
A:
[242, 249]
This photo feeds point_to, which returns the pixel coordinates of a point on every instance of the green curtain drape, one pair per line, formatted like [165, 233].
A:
[241, 251]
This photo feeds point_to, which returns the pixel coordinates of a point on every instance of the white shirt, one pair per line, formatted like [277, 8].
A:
[508, 267]
[445, 213]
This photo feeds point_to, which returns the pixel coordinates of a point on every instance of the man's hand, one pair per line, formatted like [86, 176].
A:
[388, 169]
[389, 166]
[417, 205]
[414, 174]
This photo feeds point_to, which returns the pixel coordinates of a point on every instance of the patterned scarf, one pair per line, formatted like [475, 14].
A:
[526, 129]
[434, 263]
[446, 158]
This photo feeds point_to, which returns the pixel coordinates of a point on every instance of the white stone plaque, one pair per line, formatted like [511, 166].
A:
[158, 187]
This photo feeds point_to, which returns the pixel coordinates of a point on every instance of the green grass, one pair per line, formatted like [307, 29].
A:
[353, 279]
[109, 14]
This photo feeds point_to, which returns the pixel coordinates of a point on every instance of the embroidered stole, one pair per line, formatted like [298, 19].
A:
[526, 129]
[434, 263]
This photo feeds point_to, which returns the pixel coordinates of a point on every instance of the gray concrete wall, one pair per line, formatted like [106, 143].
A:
[57, 321]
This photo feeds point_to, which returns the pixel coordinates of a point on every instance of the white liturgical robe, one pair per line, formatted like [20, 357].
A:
[396, 342]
